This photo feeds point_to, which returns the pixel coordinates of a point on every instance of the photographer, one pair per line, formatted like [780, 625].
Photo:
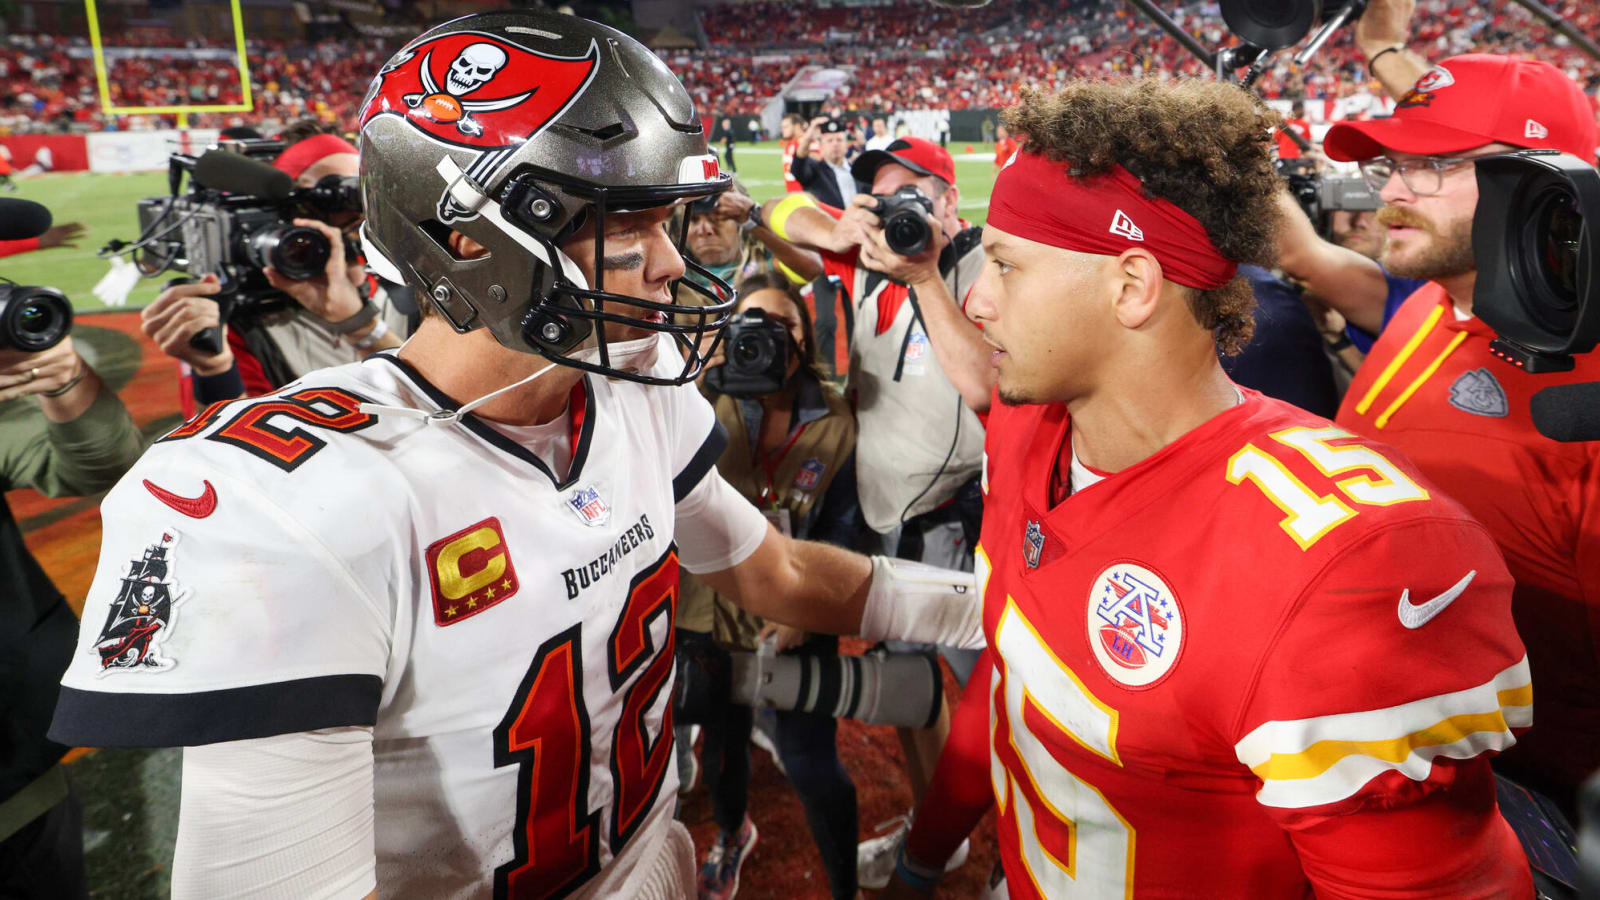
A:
[790, 442]
[337, 317]
[65, 434]
[920, 446]
[726, 236]
[1431, 387]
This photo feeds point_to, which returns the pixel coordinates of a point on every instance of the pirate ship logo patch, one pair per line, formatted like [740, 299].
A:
[141, 615]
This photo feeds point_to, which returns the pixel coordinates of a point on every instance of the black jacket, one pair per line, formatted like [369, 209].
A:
[818, 181]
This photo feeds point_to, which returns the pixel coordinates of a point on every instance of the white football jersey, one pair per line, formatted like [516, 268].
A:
[291, 563]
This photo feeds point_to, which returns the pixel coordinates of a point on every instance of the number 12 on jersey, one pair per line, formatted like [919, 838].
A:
[547, 734]
[1376, 481]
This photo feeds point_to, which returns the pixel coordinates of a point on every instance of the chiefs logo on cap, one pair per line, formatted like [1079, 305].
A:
[475, 90]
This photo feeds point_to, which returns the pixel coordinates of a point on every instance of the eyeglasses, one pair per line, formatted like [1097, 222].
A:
[1423, 176]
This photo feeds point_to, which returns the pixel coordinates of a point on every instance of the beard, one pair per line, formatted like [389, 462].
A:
[1446, 252]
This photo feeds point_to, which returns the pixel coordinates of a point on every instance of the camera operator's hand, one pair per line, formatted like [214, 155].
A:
[64, 235]
[179, 313]
[784, 637]
[332, 295]
[22, 374]
[876, 255]
[1384, 24]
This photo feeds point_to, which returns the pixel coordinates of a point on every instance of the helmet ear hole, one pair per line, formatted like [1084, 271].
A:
[453, 242]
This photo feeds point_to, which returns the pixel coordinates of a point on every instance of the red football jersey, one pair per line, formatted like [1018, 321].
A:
[1431, 388]
[1267, 661]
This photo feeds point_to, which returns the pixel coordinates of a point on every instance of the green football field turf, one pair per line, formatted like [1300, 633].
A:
[106, 205]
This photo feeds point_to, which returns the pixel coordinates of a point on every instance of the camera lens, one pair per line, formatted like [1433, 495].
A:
[751, 352]
[33, 319]
[907, 232]
[1553, 238]
[296, 252]
[1560, 230]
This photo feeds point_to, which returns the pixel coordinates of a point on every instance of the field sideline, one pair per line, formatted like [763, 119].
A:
[106, 205]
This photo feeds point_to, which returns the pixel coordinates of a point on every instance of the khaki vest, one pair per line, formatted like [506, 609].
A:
[799, 482]
[918, 439]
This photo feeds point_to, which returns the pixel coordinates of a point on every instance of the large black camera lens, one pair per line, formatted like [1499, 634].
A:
[751, 352]
[1559, 231]
[1273, 24]
[295, 252]
[907, 232]
[32, 318]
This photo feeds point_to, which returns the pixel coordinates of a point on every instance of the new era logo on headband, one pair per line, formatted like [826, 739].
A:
[1122, 225]
[1534, 130]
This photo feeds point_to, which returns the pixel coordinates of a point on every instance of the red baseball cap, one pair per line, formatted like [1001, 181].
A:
[921, 156]
[1475, 99]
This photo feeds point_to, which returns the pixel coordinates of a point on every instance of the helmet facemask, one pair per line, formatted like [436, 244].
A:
[562, 323]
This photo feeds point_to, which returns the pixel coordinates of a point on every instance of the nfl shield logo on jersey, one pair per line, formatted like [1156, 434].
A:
[586, 504]
[1135, 625]
[1032, 544]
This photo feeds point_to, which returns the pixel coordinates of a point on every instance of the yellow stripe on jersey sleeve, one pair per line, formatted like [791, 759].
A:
[1324, 759]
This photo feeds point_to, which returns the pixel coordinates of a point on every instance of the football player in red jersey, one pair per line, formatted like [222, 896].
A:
[1238, 651]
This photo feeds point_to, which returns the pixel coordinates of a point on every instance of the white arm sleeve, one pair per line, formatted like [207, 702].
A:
[287, 816]
[717, 528]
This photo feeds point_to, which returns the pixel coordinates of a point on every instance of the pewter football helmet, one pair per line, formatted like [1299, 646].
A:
[517, 129]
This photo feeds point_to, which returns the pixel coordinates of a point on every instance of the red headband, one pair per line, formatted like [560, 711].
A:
[1035, 198]
[302, 154]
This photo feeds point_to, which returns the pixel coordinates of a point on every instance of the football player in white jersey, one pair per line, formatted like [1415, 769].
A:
[411, 619]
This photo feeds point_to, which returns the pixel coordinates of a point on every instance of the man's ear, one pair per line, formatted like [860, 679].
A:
[1139, 282]
[466, 248]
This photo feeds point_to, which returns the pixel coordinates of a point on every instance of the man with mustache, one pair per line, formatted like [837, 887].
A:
[1431, 388]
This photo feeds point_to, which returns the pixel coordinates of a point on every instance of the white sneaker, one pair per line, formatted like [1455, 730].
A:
[876, 857]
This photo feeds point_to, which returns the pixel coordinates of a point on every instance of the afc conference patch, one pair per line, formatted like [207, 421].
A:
[1135, 625]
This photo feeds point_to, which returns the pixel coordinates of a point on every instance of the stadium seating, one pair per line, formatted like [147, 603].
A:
[902, 56]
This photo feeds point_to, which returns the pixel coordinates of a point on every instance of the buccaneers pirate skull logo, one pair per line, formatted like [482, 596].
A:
[140, 617]
[476, 90]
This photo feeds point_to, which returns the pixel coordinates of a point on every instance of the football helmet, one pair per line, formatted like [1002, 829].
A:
[518, 129]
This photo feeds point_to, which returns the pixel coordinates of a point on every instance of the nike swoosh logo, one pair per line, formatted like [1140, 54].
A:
[1416, 615]
[193, 507]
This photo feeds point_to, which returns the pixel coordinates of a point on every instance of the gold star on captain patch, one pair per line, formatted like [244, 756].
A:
[472, 603]
[505, 585]
[489, 594]
[449, 611]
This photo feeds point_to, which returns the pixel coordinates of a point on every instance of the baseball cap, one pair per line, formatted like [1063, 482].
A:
[1475, 99]
[921, 156]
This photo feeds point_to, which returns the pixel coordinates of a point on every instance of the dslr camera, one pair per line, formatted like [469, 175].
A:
[1321, 195]
[756, 349]
[32, 319]
[235, 220]
[904, 215]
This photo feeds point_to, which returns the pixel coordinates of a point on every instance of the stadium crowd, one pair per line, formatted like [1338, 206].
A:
[899, 56]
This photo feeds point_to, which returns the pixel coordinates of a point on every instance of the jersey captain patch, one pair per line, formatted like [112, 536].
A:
[1135, 625]
[470, 571]
[140, 618]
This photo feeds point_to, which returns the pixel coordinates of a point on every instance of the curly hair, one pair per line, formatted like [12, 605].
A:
[1202, 145]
